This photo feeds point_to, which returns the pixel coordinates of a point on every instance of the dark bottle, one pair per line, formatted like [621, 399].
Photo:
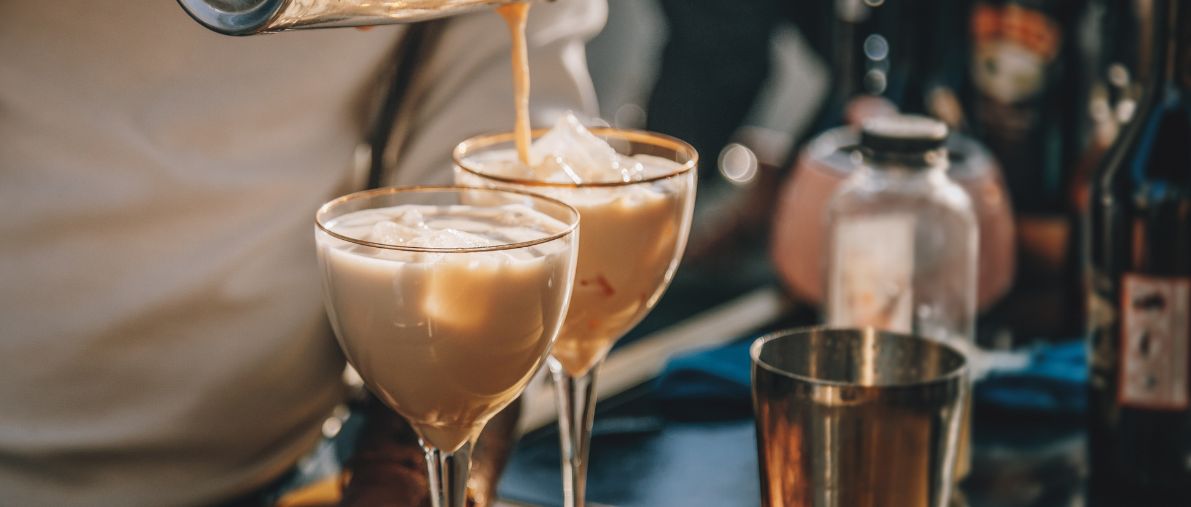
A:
[1025, 103]
[1025, 99]
[1140, 286]
[883, 56]
[854, 39]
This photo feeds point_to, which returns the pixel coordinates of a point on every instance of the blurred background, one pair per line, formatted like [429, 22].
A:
[625, 61]
[771, 93]
[1035, 90]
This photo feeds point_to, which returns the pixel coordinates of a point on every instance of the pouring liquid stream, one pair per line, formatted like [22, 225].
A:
[515, 15]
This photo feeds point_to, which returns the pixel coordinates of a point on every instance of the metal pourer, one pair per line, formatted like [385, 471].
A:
[251, 17]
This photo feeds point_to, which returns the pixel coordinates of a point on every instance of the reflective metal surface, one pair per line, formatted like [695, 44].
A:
[249, 17]
[855, 418]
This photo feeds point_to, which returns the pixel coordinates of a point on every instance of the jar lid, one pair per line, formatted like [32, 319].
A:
[902, 135]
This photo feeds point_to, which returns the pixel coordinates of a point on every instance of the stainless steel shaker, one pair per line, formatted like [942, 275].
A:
[250, 17]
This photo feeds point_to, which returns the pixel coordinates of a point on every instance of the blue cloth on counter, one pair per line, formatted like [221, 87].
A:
[721, 373]
[1054, 382]
[713, 383]
[695, 383]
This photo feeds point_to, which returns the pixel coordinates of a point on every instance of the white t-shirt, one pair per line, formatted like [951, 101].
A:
[162, 336]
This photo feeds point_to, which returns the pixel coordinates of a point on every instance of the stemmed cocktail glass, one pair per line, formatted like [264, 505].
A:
[446, 300]
[634, 233]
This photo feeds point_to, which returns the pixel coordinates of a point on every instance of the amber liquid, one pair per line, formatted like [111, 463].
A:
[515, 15]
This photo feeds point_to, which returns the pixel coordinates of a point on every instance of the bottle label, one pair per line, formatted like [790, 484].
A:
[1155, 331]
[872, 273]
[1012, 49]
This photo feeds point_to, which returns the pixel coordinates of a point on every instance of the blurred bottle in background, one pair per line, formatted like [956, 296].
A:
[1024, 66]
[1025, 98]
[1140, 279]
[880, 58]
[902, 236]
[800, 226]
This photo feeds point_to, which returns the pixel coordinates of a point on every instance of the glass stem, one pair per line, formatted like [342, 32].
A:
[576, 408]
[448, 475]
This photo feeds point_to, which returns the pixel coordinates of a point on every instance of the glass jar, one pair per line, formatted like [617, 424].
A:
[903, 236]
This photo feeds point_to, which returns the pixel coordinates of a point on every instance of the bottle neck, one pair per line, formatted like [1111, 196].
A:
[845, 65]
[1172, 40]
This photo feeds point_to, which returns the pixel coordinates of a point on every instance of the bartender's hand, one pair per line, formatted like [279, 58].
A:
[388, 468]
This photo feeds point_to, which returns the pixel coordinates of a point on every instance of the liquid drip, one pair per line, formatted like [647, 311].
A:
[515, 15]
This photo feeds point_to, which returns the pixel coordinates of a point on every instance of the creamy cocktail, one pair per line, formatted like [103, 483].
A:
[635, 216]
[446, 300]
[635, 194]
[636, 200]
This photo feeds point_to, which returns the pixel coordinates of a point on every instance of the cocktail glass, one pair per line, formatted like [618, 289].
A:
[634, 233]
[446, 330]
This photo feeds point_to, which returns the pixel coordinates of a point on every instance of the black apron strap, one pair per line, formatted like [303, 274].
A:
[413, 51]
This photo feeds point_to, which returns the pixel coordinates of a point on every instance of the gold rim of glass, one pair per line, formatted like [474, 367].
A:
[942, 378]
[487, 140]
[572, 225]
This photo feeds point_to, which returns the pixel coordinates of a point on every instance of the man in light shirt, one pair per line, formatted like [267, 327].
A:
[161, 327]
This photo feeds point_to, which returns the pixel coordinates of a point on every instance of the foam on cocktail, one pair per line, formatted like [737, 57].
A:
[446, 338]
[570, 153]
